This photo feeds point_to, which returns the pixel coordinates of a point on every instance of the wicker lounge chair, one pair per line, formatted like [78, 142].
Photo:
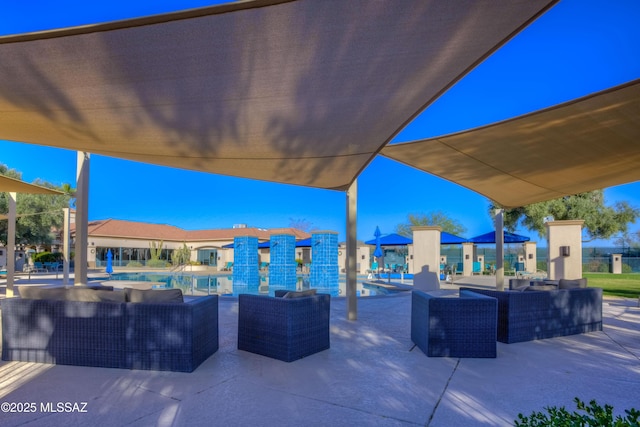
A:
[282, 328]
[454, 327]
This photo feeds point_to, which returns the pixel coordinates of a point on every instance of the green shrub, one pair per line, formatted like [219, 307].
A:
[626, 268]
[157, 263]
[47, 257]
[592, 415]
[595, 266]
[135, 264]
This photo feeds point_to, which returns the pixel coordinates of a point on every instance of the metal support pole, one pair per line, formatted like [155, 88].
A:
[11, 244]
[499, 219]
[82, 219]
[352, 279]
[66, 250]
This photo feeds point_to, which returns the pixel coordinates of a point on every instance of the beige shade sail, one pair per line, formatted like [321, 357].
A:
[583, 145]
[301, 92]
[11, 185]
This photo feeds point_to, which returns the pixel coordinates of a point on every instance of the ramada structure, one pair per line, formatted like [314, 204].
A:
[306, 93]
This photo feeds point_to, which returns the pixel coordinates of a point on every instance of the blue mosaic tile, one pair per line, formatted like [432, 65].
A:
[246, 262]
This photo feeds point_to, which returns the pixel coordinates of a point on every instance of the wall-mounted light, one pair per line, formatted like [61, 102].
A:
[565, 251]
[466, 256]
[530, 256]
[411, 257]
[362, 256]
[616, 258]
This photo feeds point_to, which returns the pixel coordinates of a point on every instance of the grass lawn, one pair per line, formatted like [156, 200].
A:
[620, 285]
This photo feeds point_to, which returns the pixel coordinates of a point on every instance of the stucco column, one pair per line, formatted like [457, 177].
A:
[530, 257]
[616, 263]
[426, 248]
[467, 258]
[564, 249]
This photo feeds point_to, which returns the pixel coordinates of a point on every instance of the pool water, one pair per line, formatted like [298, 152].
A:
[223, 285]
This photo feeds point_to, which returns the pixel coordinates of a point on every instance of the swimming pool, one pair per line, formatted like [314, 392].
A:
[223, 284]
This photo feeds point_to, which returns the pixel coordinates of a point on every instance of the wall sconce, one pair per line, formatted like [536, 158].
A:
[466, 256]
[616, 258]
[362, 256]
[411, 257]
[530, 256]
[564, 251]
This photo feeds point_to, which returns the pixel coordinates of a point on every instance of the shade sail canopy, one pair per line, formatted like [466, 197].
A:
[11, 185]
[450, 239]
[587, 144]
[302, 92]
[303, 243]
[399, 240]
[491, 238]
[391, 240]
[261, 245]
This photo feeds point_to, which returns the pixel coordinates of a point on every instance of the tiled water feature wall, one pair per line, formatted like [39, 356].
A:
[324, 260]
[282, 264]
[245, 263]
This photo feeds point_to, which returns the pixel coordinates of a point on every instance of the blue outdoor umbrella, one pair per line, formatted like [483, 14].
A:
[109, 268]
[378, 253]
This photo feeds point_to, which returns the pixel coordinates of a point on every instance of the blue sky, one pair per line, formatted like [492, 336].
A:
[577, 48]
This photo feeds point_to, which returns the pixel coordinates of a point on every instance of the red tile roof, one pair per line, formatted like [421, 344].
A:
[144, 230]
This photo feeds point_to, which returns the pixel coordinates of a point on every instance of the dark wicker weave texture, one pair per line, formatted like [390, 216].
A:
[282, 328]
[534, 315]
[173, 337]
[454, 327]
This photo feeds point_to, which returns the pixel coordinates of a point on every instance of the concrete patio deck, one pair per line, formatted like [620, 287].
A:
[371, 376]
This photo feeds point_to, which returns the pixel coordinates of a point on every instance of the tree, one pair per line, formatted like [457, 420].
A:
[624, 240]
[600, 221]
[39, 216]
[434, 218]
[301, 224]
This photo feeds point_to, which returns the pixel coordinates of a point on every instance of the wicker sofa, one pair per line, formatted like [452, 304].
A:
[454, 327]
[538, 314]
[108, 332]
[284, 327]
